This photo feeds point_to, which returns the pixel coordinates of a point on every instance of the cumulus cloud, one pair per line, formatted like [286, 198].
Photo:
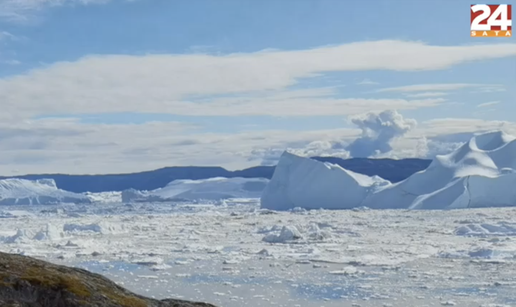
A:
[400, 139]
[429, 139]
[378, 130]
[168, 83]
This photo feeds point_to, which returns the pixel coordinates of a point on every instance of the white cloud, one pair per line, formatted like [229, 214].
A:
[419, 147]
[302, 106]
[367, 82]
[239, 84]
[443, 135]
[5, 38]
[487, 104]
[65, 145]
[490, 89]
[166, 83]
[444, 126]
[22, 10]
[11, 62]
[378, 130]
[320, 148]
[427, 94]
[437, 87]
[4, 35]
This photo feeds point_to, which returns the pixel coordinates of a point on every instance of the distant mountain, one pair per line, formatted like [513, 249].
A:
[392, 170]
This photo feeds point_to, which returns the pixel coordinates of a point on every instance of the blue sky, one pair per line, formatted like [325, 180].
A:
[244, 79]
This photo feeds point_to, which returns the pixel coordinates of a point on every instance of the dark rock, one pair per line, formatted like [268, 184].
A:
[28, 282]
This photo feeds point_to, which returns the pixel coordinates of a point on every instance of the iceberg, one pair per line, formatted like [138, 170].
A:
[310, 184]
[36, 192]
[481, 173]
[217, 188]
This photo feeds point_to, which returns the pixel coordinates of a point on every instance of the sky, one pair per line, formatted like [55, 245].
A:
[118, 86]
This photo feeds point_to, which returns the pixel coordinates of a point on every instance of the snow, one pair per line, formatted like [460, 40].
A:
[31, 192]
[478, 174]
[217, 188]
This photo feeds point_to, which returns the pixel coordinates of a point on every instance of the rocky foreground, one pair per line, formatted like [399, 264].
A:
[28, 282]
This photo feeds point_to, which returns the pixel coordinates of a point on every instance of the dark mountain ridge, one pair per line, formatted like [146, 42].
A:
[392, 170]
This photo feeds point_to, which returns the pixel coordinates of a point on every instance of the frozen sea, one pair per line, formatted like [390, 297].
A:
[234, 254]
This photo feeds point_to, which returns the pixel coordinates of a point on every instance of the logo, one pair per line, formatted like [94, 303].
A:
[491, 20]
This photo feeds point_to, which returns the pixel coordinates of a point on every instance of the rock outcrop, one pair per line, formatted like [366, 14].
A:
[28, 282]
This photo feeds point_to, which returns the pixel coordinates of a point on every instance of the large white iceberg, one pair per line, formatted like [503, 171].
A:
[310, 184]
[481, 173]
[217, 188]
[36, 192]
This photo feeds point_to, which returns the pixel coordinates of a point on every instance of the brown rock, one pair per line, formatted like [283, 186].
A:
[28, 282]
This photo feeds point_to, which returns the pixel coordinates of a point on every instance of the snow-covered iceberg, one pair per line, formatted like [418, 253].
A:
[206, 189]
[36, 192]
[481, 173]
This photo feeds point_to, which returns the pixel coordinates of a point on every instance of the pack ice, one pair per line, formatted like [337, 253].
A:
[36, 192]
[481, 173]
[206, 189]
